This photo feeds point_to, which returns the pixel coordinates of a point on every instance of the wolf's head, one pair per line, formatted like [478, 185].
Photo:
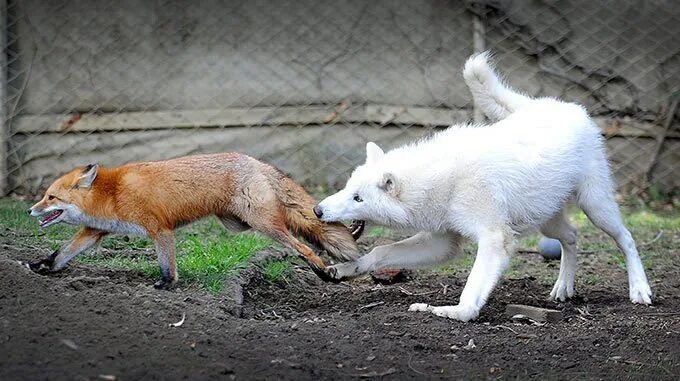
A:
[372, 194]
[64, 199]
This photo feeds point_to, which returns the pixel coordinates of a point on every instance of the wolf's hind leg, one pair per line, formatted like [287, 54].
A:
[559, 228]
[596, 199]
[422, 250]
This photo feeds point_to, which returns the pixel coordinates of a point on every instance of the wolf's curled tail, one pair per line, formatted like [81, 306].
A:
[495, 98]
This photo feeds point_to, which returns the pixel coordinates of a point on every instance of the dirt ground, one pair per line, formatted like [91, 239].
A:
[93, 323]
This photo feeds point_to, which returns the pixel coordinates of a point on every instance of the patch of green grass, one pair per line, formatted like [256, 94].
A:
[208, 260]
[530, 241]
[457, 267]
[379, 232]
[274, 271]
[593, 279]
[139, 264]
[205, 260]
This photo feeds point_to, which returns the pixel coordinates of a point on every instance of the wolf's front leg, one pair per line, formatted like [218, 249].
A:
[85, 239]
[165, 250]
[493, 257]
[422, 250]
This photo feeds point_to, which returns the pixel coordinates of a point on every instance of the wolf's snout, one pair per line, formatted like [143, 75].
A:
[318, 211]
[30, 211]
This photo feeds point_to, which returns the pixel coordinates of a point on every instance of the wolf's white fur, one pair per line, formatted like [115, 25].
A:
[488, 183]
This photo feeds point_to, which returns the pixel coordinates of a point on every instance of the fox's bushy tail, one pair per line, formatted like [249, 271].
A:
[334, 237]
[298, 205]
[494, 97]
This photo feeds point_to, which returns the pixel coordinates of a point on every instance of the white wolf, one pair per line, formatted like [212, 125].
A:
[490, 184]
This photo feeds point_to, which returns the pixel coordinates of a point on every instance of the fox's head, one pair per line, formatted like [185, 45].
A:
[63, 200]
[371, 194]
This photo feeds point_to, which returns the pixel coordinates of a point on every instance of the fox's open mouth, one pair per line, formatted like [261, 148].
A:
[50, 217]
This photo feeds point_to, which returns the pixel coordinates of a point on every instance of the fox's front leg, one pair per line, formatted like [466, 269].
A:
[165, 250]
[85, 239]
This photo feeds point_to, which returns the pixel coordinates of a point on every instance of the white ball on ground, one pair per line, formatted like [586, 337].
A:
[550, 248]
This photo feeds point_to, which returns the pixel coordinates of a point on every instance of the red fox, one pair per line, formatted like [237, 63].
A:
[154, 198]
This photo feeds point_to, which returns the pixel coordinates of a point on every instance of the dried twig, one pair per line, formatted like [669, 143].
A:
[370, 305]
[661, 314]
[660, 139]
[179, 323]
[376, 374]
[410, 357]
[504, 327]
[658, 235]
[409, 293]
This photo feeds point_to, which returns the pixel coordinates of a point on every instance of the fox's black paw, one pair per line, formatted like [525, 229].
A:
[322, 274]
[41, 267]
[164, 284]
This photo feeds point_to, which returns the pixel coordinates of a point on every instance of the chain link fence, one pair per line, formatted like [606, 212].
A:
[305, 84]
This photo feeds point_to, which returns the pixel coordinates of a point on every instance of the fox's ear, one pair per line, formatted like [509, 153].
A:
[373, 153]
[88, 176]
[389, 184]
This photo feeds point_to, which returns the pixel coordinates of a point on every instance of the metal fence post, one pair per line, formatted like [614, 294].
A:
[4, 125]
[478, 46]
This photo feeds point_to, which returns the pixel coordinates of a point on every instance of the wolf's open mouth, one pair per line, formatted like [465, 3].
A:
[51, 217]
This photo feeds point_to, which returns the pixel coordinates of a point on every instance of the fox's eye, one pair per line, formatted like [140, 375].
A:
[358, 198]
[51, 197]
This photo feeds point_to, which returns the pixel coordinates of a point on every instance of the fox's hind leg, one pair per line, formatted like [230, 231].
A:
[596, 198]
[559, 228]
[274, 226]
[233, 224]
[165, 250]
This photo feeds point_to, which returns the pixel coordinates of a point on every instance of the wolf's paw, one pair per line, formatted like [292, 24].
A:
[343, 271]
[640, 293]
[562, 291]
[461, 313]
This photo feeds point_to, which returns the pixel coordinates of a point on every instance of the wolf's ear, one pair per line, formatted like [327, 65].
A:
[373, 153]
[389, 184]
[89, 174]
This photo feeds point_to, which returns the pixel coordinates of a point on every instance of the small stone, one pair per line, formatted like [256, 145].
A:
[550, 248]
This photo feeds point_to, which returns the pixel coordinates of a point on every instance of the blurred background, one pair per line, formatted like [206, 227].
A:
[305, 84]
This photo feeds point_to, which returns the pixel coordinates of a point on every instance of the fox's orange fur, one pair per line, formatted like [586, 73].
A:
[154, 198]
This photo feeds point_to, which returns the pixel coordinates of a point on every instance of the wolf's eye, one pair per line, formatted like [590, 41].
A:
[358, 198]
[51, 197]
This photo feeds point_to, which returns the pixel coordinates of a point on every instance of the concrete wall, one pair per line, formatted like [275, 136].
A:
[159, 55]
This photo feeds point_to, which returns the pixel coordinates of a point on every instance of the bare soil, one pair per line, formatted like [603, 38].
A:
[92, 323]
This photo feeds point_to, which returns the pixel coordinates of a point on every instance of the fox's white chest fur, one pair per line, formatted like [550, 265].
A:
[108, 225]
